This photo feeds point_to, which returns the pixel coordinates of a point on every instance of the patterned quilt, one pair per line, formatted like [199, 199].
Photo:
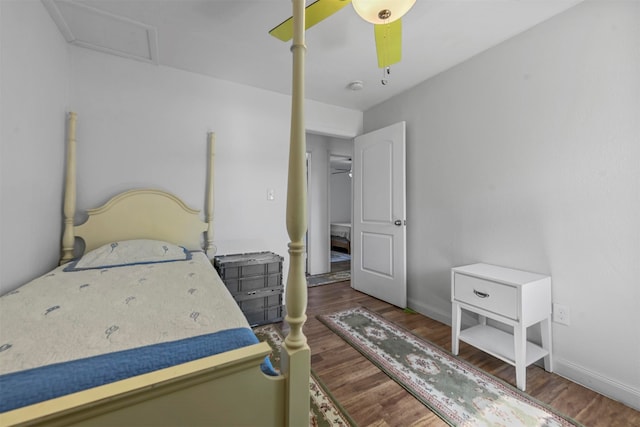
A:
[69, 315]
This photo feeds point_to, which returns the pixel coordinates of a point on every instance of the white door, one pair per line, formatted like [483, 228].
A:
[378, 243]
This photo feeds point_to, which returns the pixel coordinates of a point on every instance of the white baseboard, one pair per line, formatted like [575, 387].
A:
[425, 310]
[615, 390]
[624, 393]
[440, 315]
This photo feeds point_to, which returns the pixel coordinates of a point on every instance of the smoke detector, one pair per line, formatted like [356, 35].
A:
[355, 85]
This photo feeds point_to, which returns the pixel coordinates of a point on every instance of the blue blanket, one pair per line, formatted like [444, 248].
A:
[31, 386]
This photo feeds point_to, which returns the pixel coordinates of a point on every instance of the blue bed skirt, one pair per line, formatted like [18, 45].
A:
[31, 386]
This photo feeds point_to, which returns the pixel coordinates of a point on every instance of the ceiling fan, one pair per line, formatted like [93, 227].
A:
[341, 171]
[384, 14]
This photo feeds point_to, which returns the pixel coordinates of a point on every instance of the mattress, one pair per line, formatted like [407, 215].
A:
[341, 229]
[130, 318]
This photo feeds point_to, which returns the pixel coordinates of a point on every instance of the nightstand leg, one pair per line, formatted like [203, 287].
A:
[482, 320]
[520, 343]
[456, 314]
[545, 332]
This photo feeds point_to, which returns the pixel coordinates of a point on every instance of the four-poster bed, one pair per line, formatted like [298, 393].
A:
[227, 388]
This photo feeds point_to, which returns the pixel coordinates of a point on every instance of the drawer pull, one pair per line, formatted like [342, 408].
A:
[481, 294]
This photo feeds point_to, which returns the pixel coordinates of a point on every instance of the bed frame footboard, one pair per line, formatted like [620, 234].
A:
[226, 389]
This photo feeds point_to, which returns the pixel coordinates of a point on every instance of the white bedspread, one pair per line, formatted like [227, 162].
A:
[64, 316]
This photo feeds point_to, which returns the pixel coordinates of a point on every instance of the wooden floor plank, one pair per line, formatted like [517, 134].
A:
[373, 399]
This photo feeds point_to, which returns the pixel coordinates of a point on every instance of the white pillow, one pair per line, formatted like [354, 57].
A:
[130, 252]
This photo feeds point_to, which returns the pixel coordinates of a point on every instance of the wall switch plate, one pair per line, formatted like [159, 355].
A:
[271, 194]
[561, 314]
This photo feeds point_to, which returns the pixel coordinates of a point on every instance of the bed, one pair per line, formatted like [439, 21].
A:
[227, 384]
[341, 236]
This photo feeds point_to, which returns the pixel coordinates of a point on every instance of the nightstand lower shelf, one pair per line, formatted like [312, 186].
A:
[500, 344]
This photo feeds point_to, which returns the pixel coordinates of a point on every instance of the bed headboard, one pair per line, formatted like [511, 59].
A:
[135, 214]
[143, 214]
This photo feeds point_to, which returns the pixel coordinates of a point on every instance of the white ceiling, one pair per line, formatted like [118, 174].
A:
[228, 39]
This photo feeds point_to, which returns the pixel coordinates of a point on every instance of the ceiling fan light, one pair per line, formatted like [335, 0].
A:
[382, 11]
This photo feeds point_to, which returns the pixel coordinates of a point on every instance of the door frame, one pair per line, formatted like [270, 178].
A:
[308, 251]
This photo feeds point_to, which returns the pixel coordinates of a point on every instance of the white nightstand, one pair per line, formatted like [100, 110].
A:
[516, 298]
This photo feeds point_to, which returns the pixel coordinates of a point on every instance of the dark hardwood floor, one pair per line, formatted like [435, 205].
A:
[340, 266]
[373, 399]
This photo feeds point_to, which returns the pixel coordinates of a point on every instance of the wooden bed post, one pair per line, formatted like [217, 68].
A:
[296, 354]
[210, 248]
[68, 236]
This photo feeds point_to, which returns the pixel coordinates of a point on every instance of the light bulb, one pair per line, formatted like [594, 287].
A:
[382, 11]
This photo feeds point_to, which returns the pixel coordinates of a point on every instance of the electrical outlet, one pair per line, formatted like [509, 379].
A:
[561, 314]
[271, 194]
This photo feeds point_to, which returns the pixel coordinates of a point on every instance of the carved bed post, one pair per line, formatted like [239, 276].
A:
[296, 353]
[68, 236]
[210, 248]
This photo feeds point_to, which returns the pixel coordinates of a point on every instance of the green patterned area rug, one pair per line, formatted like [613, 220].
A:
[455, 390]
[325, 411]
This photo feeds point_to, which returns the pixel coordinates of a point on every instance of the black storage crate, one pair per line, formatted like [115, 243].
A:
[260, 293]
[252, 283]
[260, 303]
[255, 282]
[267, 315]
[249, 264]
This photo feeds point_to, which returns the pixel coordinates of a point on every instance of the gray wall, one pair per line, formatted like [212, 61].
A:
[528, 156]
[34, 84]
[139, 125]
[340, 197]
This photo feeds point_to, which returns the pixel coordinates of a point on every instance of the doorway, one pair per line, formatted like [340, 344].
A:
[321, 149]
[340, 206]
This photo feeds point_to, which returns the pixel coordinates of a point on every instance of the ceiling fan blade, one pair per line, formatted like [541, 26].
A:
[314, 13]
[388, 43]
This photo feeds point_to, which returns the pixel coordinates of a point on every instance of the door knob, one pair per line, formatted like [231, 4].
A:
[397, 222]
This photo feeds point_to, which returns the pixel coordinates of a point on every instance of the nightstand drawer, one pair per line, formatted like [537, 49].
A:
[491, 296]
